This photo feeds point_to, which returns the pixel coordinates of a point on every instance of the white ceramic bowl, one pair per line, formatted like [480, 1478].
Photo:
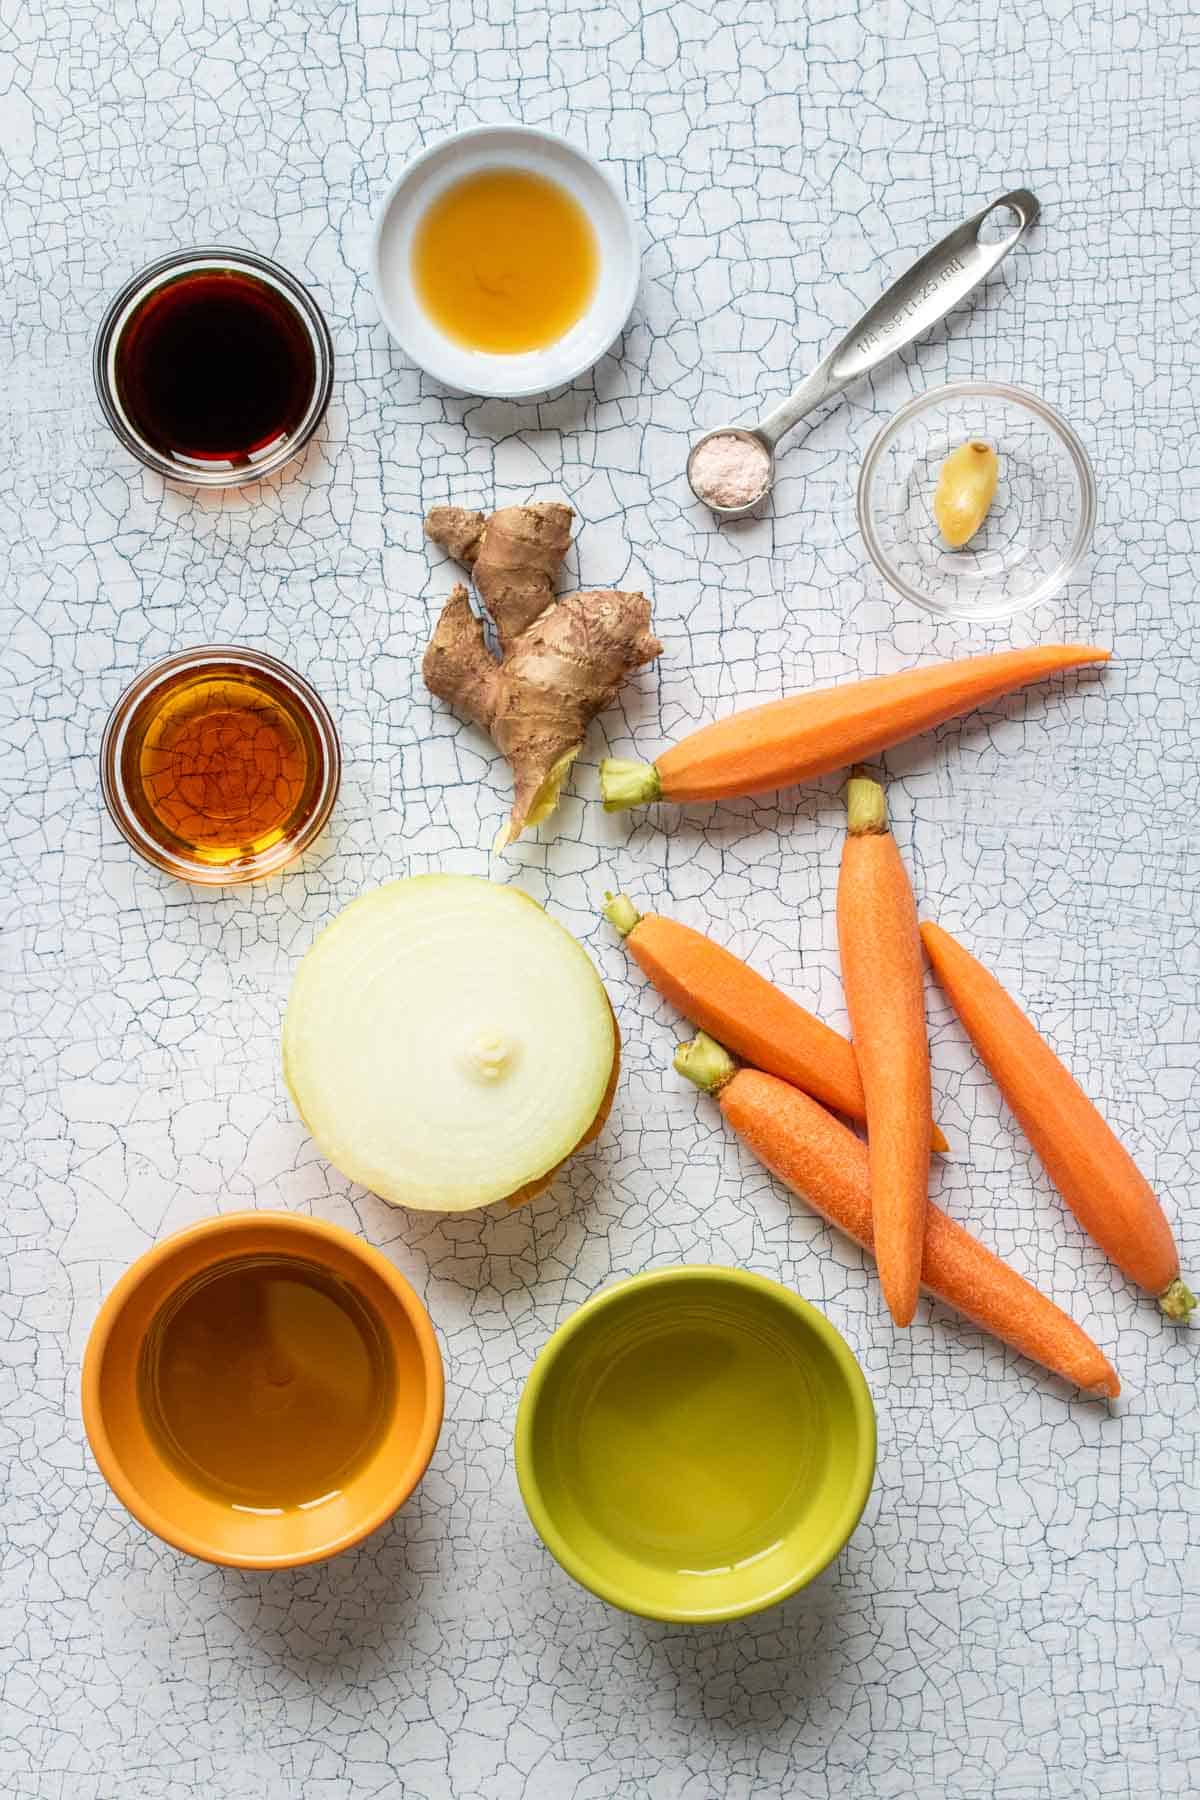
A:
[480, 372]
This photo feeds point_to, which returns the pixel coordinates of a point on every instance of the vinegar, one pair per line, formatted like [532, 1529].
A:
[267, 1383]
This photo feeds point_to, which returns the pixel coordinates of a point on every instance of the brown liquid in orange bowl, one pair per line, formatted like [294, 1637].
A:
[262, 1389]
[267, 1382]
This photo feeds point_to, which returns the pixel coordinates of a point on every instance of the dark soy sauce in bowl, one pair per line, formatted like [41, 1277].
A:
[214, 367]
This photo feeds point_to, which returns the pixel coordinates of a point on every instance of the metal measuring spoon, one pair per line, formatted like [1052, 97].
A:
[933, 287]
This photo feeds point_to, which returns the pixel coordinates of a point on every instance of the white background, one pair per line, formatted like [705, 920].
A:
[1017, 1615]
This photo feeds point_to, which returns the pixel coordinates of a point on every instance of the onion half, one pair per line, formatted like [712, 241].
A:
[447, 1043]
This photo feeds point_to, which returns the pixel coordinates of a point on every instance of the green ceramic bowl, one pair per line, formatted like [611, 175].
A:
[695, 1444]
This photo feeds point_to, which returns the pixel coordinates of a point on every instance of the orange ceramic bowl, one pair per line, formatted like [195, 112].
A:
[194, 1518]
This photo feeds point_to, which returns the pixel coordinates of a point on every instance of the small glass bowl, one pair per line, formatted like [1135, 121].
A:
[1037, 531]
[209, 473]
[272, 685]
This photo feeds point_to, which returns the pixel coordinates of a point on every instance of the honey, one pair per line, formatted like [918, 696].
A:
[267, 1383]
[220, 765]
[505, 261]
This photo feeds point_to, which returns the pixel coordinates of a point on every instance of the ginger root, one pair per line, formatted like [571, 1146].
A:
[561, 661]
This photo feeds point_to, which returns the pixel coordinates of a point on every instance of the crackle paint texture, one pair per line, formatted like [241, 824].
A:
[1016, 1617]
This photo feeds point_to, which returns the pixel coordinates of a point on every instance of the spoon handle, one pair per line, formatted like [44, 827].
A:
[937, 283]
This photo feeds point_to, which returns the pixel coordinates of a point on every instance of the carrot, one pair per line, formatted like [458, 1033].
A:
[1091, 1169]
[725, 997]
[885, 996]
[822, 1161]
[786, 741]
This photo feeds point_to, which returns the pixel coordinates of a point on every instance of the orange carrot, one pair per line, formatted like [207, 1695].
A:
[725, 997]
[786, 741]
[885, 996]
[1093, 1172]
[823, 1162]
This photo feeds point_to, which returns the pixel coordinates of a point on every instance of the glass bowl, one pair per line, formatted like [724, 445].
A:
[146, 287]
[1037, 531]
[220, 765]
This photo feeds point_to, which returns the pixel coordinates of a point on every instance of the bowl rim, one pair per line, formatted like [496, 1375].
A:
[1068, 437]
[536, 134]
[314, 1232]
[596, 1581]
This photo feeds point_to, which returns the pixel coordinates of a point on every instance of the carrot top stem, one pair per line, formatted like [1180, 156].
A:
[866, 807]
[705, 1062]
[1177, 1301]
[624, 784]
[620, 912]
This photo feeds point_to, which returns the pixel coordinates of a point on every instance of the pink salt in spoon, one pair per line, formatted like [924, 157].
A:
[732, 468]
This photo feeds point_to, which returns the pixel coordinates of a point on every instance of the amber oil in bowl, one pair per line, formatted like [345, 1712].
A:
[505, 260]
[220, 765]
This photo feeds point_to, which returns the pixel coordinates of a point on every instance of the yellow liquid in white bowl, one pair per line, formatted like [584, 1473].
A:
[505, 261]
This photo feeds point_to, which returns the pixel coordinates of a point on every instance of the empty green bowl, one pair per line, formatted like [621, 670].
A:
[695, 1444]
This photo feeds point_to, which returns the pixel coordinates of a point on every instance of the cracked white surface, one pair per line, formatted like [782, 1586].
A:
[1017, 1616]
